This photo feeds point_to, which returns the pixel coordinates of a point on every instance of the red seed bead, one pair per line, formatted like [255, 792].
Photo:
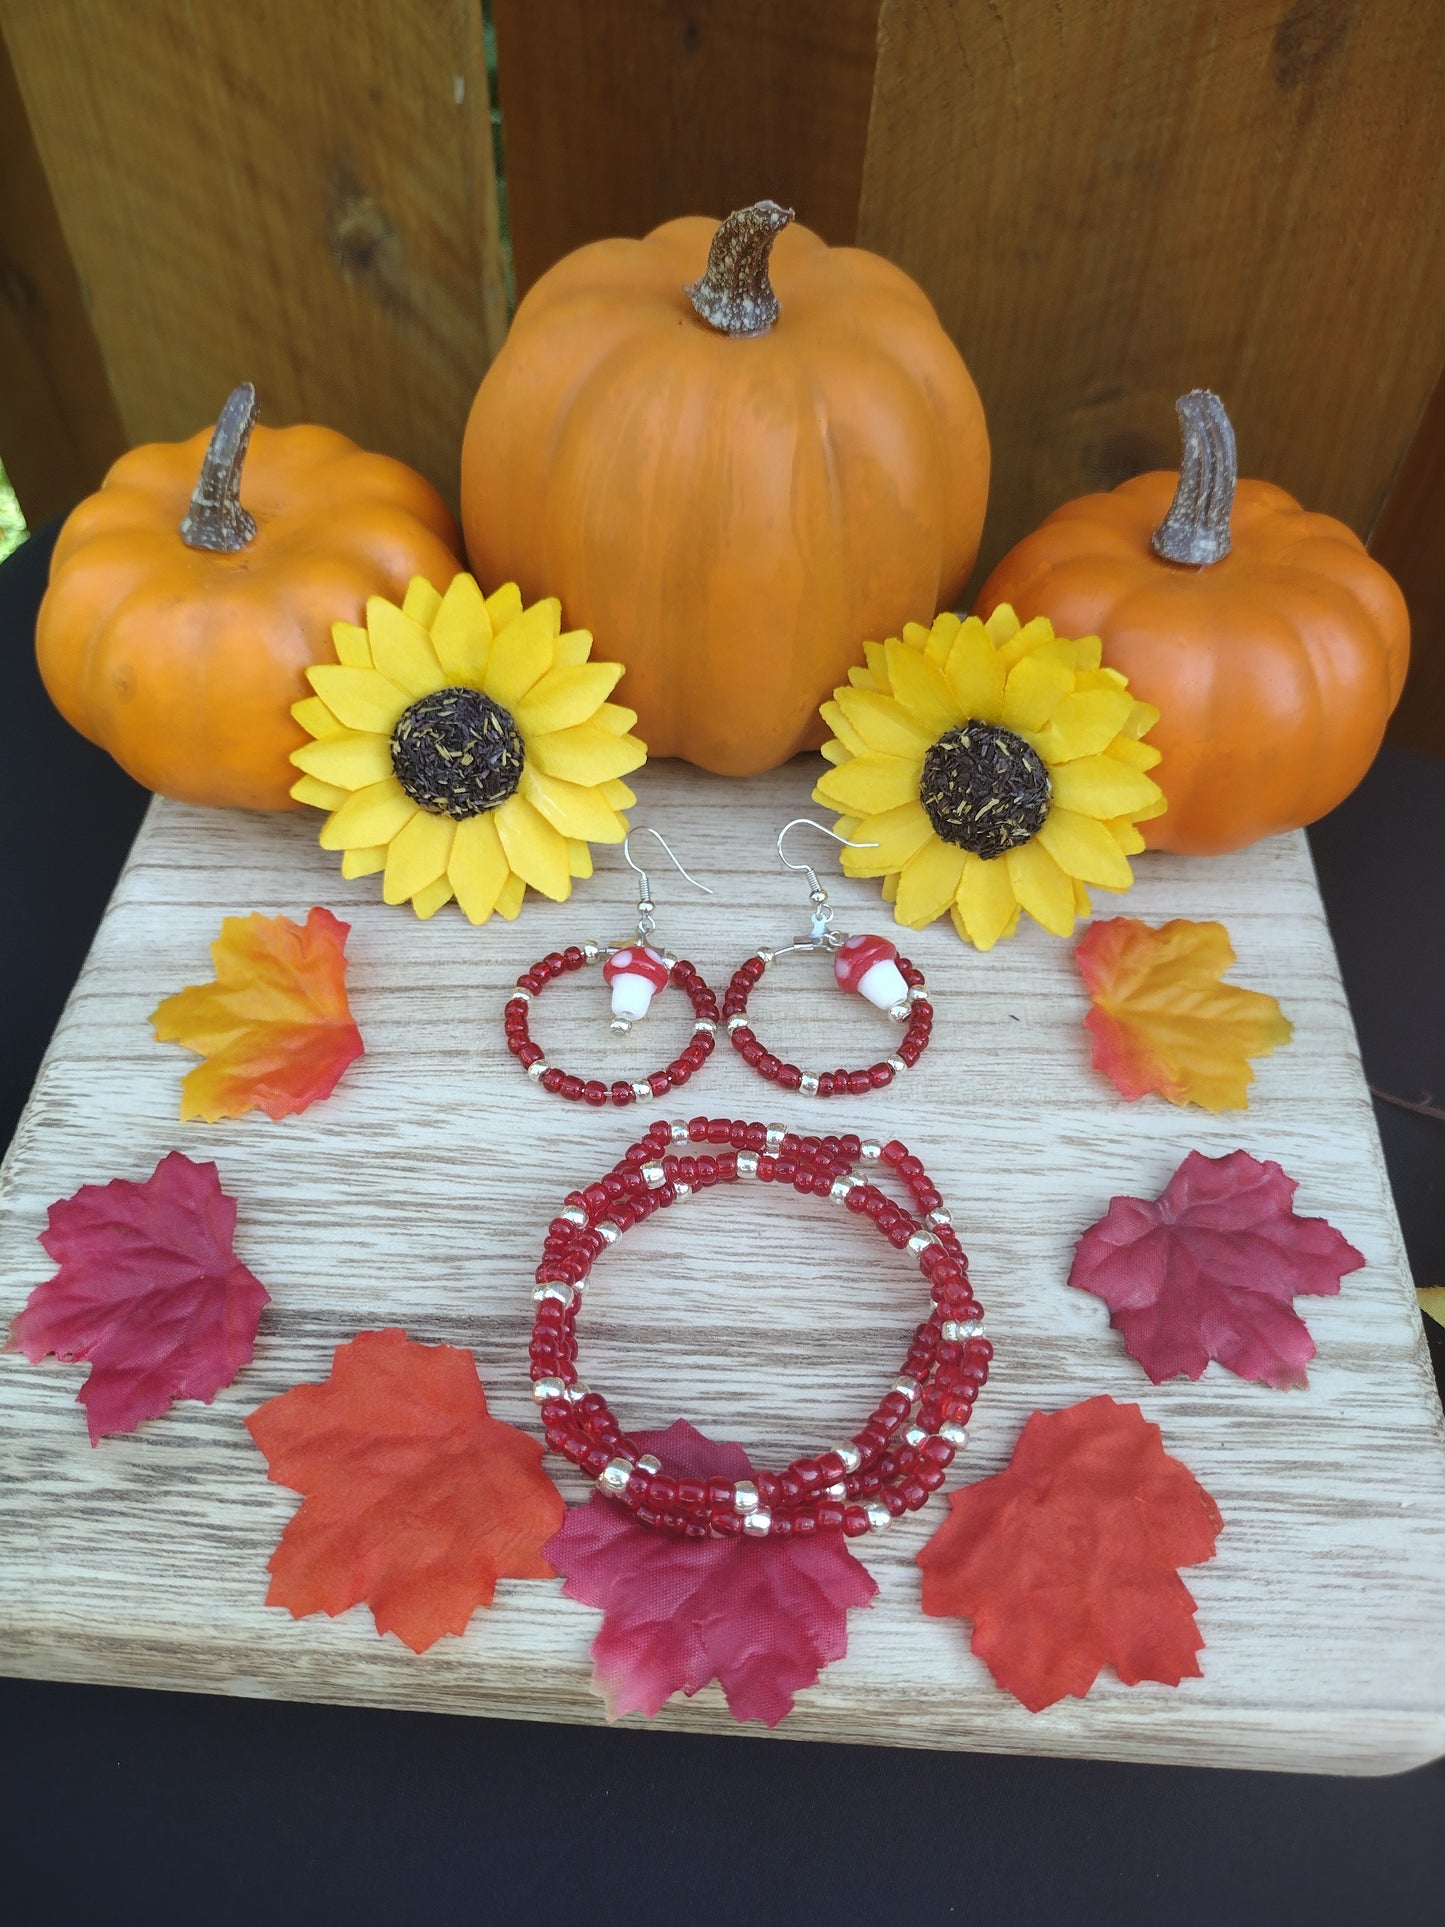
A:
[879, 1075]
[594, 1092]
[855, 1521]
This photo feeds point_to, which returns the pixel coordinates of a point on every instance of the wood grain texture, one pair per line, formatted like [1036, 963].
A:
[619, 114]
[418, 1195]
[1112, 203]
[299, 196]
[1408, 540]
[59, 430]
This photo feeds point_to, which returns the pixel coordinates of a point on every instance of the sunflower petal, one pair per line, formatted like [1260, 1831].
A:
[369, 817]
[427, 902]
[359, 698]
[321, 796]
[890, 886]
[522, 652]
[314, 717]
[975, 674]
[1036, 685]
[477, 867]
[861, 677]
[1125, 749]
[922, 689]
[509, 897]
[1084, 723]
[898, 834]
[363, 863]
[616, 792]
[615, 718]
[417, 855]
[882, 723]
[461, 632]
[870, 784]
[1041, 887]
[1082, 905]
[1084, 848]
[402, 649]
[535, 851]
[1142, 718]
[421, 601]
[1088, 651]
[350, 759]
[565, 696]
[1126, 835]
[985, 907]
[939, 643]
[875, 654]
[572, 647]
[504, 605]
[1033, 635]
[1002, 625]
[929, 883]
[849, 742]
[579, 858]
[575, 809]
[585, 754]
[1102, 786]
[352, 645]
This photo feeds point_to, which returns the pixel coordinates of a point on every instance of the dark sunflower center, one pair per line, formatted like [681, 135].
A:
[984, 788]
[457, 753]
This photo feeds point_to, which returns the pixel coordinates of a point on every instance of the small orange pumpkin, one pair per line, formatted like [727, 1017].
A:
[1272, 645]
[732, 487]
[177, 624]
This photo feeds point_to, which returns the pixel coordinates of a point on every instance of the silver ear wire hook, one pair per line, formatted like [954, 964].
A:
[820, 936]
[645, 921]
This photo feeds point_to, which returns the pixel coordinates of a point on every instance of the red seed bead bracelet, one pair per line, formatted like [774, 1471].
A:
[901, 1452]
[916, 1013]
[531, 1057]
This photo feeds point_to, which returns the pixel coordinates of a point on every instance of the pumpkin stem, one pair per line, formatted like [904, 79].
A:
[735, 295]
[215, 519]
[1196, 529]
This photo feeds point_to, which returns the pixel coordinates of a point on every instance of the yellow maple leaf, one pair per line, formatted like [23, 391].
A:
[1432, 1301]
[1164, 1021]
[274, 1027]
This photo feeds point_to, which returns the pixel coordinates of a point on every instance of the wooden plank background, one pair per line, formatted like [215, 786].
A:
[417, 1195]
[301, 196]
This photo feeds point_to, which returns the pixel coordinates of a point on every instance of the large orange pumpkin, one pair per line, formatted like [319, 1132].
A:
[178, 621]
[732, 483]
[1272, 645]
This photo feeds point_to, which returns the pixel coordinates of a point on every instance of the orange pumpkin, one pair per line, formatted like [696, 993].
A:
[178, 623]
[1271, 644]
[733, 487]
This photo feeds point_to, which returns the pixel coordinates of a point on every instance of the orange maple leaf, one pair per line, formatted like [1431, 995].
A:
[1162, 1019]
[274, 1027]
[416, 1499]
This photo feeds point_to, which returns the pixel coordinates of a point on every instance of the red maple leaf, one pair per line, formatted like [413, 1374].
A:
[274, 1026]
[416, 1499]
[761, 1616]
[149, 1290]
[1067, 1561]
[1209, 1270]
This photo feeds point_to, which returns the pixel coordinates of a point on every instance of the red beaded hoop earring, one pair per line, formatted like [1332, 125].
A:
[871, 966]
[635, 972]
[891, 1464]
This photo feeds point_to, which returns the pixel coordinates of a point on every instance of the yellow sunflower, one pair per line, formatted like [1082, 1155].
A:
[996, 767]
[466, 748]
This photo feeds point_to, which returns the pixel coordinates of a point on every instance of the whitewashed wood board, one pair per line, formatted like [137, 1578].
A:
[417, 1196]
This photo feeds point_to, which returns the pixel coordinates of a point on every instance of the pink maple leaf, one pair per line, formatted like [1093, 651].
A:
[761, 1616]
[149, 1290]
[1210, 1270]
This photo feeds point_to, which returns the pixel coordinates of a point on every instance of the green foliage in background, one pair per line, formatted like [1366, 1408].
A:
[12, 522]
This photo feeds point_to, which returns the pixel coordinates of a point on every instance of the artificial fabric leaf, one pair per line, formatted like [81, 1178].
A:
[416, 1500]
[761, 1616]
[275, 1027]
[1068, 1561]
[149, 1290]
[1210, 1269]
[1162, 1019]
[1432, 1302]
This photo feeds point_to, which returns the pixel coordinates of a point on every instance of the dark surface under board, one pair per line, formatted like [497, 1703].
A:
[149, 1807]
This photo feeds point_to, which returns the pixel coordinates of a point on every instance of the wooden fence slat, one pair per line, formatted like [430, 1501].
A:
[1111, 203]
[299, 195]
[59, 430]
[619, 114]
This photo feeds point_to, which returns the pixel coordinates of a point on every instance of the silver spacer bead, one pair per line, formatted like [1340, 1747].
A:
[776, 1134]
[850, 1455]
[573, 1213]
[614, 1475]
[577, 1391]
[747, 1164]
[878, 1515]
[953, 1432]
[870, 1151]
[608, 1232]
[764, 955]
[708, 1024]
[920, 1242]
[916, 991]
[649, 1463]
[538, 1070]
[941, 1216]
[840, 1188]
[897, 1064]
[564, 1295]
[900, 1013]
[669, 962]
[545, 1388]
[956, 1332]
[653, 1176]
[622, 1025]
[808, 1084]
[680, 1189]
[908, 1387]
[520, 992]
[642, 1091]
[678, 1127]
[736, 1021]
[838, 1491]
[591, 952]
[914, 1436]
[759, 1523]
[745, 1496]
